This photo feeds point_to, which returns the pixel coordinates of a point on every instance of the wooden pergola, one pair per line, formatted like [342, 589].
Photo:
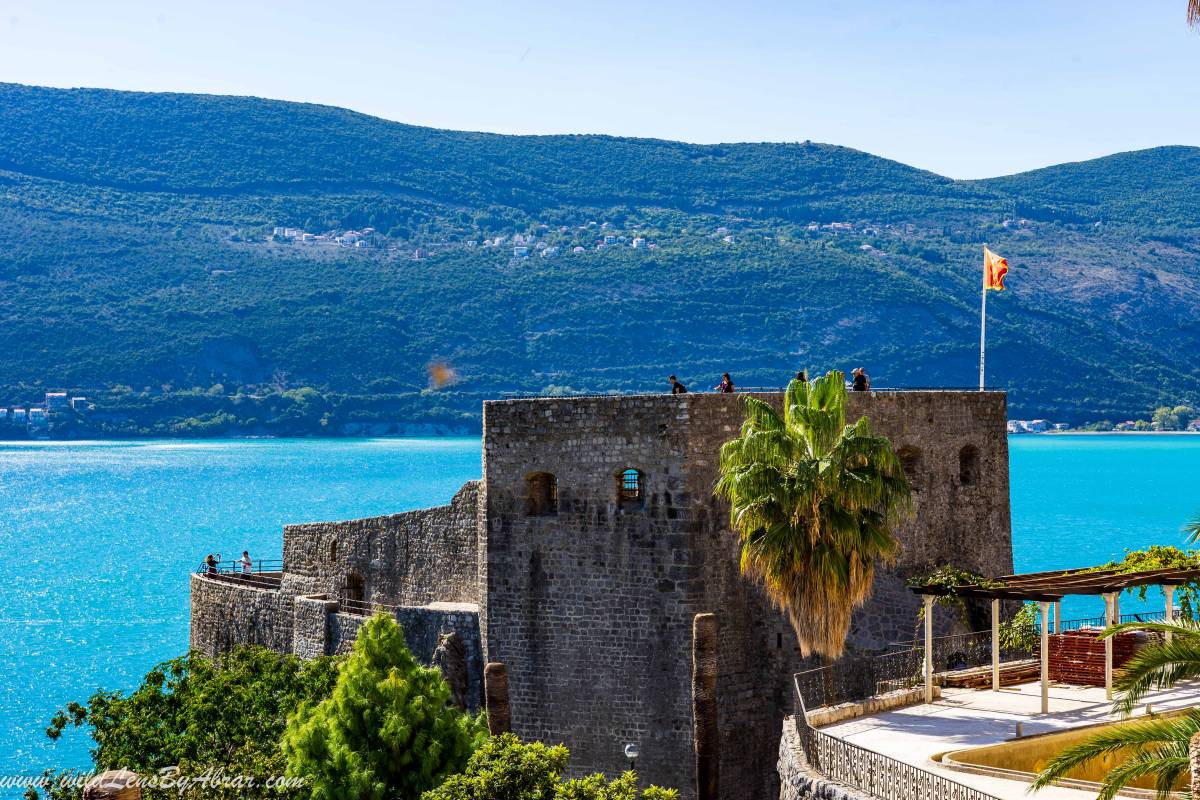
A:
[1048, 589]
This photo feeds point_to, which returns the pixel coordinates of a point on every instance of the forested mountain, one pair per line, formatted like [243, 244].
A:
[139, 264]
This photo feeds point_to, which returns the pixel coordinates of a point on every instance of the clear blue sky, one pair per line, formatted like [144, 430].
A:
[964, 88]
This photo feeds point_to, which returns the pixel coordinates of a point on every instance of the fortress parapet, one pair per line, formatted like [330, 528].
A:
[582, 555]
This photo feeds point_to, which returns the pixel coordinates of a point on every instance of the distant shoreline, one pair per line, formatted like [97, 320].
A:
[1109, 433]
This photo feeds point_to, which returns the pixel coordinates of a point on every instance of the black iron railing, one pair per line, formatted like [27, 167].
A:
[854, 680]
[874, 773]
[262, 572]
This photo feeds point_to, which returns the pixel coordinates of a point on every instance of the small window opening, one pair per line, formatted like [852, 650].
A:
[631, 488]
[354, 589]
[910, 460]
[541, 494]
[779, 641]
[968, 465]
[333, 552]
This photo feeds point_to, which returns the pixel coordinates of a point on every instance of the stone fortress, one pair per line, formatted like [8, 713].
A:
[582, 555]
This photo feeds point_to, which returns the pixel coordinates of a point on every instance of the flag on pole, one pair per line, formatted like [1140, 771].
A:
[994, 270]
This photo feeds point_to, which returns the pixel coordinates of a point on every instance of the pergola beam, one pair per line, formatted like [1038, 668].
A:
[1052, 587]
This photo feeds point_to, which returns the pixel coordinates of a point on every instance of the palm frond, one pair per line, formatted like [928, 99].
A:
[1156, 666]
[1191, 528]
[1150, 747]
[813, 502]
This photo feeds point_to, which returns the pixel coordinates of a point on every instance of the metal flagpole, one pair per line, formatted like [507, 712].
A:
[982, 322]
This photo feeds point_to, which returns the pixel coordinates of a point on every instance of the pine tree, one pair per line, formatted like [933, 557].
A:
[386, 732]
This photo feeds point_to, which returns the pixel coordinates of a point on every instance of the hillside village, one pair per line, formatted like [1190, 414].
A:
[36, 420]
[546, 241]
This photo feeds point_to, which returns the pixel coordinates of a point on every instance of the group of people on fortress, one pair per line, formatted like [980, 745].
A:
[861, 382]
[211, 563]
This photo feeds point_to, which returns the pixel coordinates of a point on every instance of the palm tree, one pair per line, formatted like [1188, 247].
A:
[813, 501]
[1158, 749]
[1194, 12]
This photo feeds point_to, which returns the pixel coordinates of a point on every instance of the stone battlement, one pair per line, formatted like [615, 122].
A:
[591, 541]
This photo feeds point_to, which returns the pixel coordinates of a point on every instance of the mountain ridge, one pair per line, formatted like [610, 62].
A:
[162, 251]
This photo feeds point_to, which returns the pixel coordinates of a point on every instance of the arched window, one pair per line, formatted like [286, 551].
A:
[910, 460]
[354, 589]
[968, 465]
[541, 494]
[631, 487]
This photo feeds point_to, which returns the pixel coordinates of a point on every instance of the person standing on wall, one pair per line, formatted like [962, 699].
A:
[676, 386]
[726, 384]
[247, 565]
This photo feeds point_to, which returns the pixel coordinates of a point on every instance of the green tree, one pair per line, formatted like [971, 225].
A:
[1172, 419]
[386, 731]
[1157, 749]
[505, 769]
[197, 714]
[814, 502]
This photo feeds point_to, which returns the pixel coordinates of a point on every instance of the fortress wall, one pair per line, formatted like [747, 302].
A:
[423, 627]
[590, 608]
[414, 558]
[225, 614]
[965, 525]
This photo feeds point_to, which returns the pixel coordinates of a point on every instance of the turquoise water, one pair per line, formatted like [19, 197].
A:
[1079, 500]
[98, 538]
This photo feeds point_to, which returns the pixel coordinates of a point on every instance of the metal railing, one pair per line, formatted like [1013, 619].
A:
[534, 394]
[362, 608]
[1098, 622]
[266, 573]
[874, 773]
[903, 667]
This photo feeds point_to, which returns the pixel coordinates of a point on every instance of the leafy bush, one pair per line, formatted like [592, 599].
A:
[197, 714]
[505, 769]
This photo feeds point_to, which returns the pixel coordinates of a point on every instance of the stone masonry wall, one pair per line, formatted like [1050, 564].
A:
[591, 607]
[226, 613]
[422, 628]
[414, 558]
[799, 781]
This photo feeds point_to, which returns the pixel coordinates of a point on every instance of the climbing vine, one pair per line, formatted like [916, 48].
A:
[946, 577]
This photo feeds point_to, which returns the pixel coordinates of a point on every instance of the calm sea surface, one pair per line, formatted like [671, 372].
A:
[97, 539]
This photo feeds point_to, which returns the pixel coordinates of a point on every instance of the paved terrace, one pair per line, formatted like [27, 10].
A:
[965, 718]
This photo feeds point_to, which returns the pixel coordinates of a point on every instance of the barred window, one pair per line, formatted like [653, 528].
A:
[631, 486]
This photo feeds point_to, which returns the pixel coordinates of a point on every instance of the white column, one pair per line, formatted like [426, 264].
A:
[1045, 656]
[928, 648]
[1058, 616]
[1116, 596]
[995, 645]
[1109, 603]
[1169, 591]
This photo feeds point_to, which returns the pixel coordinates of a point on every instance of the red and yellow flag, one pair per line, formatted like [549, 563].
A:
[994, 270]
